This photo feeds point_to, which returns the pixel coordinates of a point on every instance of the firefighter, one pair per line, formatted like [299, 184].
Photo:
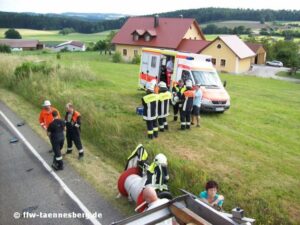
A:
[46, 114]
[187, 105]
[157, 174]
[176, 93]
[137, 158]
[73, 124]
[150, 102]
[164, 97]
[56, 133]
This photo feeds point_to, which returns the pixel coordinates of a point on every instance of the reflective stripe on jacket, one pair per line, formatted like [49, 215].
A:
[150, 102]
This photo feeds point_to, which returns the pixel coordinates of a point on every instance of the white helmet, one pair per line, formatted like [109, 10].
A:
[188, 83]
[161, 159]
[150, 86]
[162, 84]
[46, 103]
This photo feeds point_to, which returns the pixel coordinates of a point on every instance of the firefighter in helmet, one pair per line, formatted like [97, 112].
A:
[187, 99]
[163, 106]
[157, 174]
[150, 102]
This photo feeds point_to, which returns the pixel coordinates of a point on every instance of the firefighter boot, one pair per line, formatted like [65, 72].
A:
[166, 127]
[150, 136]
[175, 118]
[155, 134]
[80, 155]
[182, 127]
[69, 151]
[60, 165]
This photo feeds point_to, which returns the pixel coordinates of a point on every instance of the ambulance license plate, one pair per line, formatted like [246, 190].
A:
[219, 109]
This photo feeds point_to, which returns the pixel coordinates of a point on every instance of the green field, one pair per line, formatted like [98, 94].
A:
[252, 150]
[54, 36]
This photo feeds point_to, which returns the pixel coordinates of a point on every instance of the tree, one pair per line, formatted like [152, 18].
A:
[287, 52]
[12, 34]
[110, 45]
[101, 46]
[66, 31]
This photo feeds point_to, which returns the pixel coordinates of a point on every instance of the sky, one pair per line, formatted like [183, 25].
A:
[137, 7]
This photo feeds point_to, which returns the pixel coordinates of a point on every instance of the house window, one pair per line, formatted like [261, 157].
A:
[135, 37]
[135, 52]
[219, 46]
[124, 52]
[153, 62]
[147, 37]
[213, 60]
[223, 62]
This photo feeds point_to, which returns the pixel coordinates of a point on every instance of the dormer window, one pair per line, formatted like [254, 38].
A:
[147, 37]
[135, 37]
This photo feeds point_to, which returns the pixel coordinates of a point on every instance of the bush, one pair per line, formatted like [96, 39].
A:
[136, 59]
[58, 56]
[5, 49]
[117, 57]
[24, 71]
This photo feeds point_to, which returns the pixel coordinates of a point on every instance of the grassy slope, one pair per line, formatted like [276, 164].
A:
[253, 150]
[54, 36]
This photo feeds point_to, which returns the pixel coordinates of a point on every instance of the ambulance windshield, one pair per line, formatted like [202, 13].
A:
[205, 78]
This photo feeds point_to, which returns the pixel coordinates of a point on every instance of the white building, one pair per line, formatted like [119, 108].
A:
[71, 46]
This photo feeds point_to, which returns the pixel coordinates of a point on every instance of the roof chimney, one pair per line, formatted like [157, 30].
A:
[156, 22]
[181, 16]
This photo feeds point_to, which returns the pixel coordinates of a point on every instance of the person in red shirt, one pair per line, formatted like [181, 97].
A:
[46, 116]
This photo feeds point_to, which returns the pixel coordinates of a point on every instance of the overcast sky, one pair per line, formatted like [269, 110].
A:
[137, 7]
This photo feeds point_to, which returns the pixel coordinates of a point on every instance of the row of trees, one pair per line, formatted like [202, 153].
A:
[203, 15]
[287, 34]
[214, 29]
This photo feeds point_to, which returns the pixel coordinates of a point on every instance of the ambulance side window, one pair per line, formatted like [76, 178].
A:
[153, 61]
[185, 75]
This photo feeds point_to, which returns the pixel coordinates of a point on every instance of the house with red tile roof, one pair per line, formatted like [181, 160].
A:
[229, 52]
[165, 33]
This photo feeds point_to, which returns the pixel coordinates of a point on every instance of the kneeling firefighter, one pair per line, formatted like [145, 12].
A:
[157, 176]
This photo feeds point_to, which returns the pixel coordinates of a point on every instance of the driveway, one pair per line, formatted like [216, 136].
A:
[269, 72]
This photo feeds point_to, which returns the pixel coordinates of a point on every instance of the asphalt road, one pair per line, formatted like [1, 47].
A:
[26, 186]
[270, 72]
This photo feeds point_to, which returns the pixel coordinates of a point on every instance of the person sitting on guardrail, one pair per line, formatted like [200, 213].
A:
[210, 195]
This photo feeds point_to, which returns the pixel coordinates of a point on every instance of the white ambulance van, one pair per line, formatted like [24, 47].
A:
[187, 66]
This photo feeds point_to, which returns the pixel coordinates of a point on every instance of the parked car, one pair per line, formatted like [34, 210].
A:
[274, 63]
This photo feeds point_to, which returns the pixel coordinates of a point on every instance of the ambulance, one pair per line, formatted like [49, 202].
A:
[186, 66]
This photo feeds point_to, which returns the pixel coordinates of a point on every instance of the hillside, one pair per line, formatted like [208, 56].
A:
[252, 150]
[82, 25]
